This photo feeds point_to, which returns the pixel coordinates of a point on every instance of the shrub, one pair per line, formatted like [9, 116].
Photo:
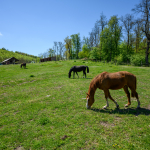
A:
[119, 59]
[32, 75]
[137, 59]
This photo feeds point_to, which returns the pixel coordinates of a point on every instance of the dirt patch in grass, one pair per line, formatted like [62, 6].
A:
[19, 148]
[105, 124]
[117, 119]
[26, 82]
[148, 107]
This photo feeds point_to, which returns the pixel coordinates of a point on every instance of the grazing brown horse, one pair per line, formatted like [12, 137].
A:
[113, 81]
[23, 64]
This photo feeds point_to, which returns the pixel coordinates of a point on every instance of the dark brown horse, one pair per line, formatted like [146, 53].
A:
[113, 81]
[23, 64]
[76, 69]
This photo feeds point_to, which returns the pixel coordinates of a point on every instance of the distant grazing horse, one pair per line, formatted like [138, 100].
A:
[76, 69]
[23, 64]
[113, 81]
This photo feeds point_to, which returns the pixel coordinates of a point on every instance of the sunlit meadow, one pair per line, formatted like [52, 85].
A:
[41, 108]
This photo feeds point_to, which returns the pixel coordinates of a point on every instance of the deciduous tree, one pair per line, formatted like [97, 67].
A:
[144, 9]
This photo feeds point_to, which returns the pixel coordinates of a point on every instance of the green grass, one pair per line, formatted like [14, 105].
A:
[41, 108]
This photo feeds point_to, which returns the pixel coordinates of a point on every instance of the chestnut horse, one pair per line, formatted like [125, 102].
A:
[23, 64]
[113, 81]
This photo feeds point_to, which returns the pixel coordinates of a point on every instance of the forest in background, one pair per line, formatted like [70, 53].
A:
[124, 39]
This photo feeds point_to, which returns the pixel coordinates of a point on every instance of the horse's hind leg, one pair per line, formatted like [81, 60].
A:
[135, 94]
[84, 73]
[128, 95]
[137, 98]
[117, 106]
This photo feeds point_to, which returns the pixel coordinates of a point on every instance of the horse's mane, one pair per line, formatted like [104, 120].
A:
[95, 82]
[70, 71]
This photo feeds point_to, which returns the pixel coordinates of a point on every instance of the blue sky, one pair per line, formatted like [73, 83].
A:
[32, 26]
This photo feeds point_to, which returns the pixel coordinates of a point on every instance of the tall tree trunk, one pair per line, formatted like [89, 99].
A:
[147, 52]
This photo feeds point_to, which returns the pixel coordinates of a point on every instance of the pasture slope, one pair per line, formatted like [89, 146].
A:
[41, 108]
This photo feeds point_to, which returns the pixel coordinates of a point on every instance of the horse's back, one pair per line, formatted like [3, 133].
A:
[79, 68]
[115, 80]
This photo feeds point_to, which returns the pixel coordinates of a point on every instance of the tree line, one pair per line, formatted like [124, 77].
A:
[121, 39]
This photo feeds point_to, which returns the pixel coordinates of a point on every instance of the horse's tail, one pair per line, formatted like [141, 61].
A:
[132, 94]
[87, 69]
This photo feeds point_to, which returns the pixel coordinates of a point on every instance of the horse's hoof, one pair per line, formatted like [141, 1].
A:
[105, 107]
[126, 105]
[138, 107]
[117, 106]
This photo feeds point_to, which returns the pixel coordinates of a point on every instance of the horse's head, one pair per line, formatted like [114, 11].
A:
[69, 74]
[90, 101]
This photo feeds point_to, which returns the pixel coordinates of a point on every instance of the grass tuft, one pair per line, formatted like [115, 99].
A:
[32, 75]
[43, 121]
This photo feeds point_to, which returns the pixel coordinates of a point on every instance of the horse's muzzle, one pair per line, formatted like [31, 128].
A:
[88, 107]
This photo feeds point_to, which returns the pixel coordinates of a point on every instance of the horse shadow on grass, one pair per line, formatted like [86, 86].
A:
[81, 78]
[133, 111]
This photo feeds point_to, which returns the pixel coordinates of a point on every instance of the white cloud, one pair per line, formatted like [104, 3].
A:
[1, 34]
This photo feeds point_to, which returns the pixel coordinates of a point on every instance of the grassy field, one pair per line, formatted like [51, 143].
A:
[41, 108]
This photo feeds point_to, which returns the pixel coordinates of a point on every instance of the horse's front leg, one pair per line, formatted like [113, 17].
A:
[117, 106]
[106, 96]
[73, 74]
[77, 74]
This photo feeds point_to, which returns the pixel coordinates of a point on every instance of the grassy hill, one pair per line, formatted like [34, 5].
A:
[41, 108]
[22, 57]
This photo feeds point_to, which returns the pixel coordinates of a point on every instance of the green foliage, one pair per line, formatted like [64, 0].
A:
[86, 42]
[137, 59]
[85, 52]
[95, 53]
[119, 59]
[125, 54]
[51, 52]
[76, 45]
[110, 38]
[68, 46]
[25, 54]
